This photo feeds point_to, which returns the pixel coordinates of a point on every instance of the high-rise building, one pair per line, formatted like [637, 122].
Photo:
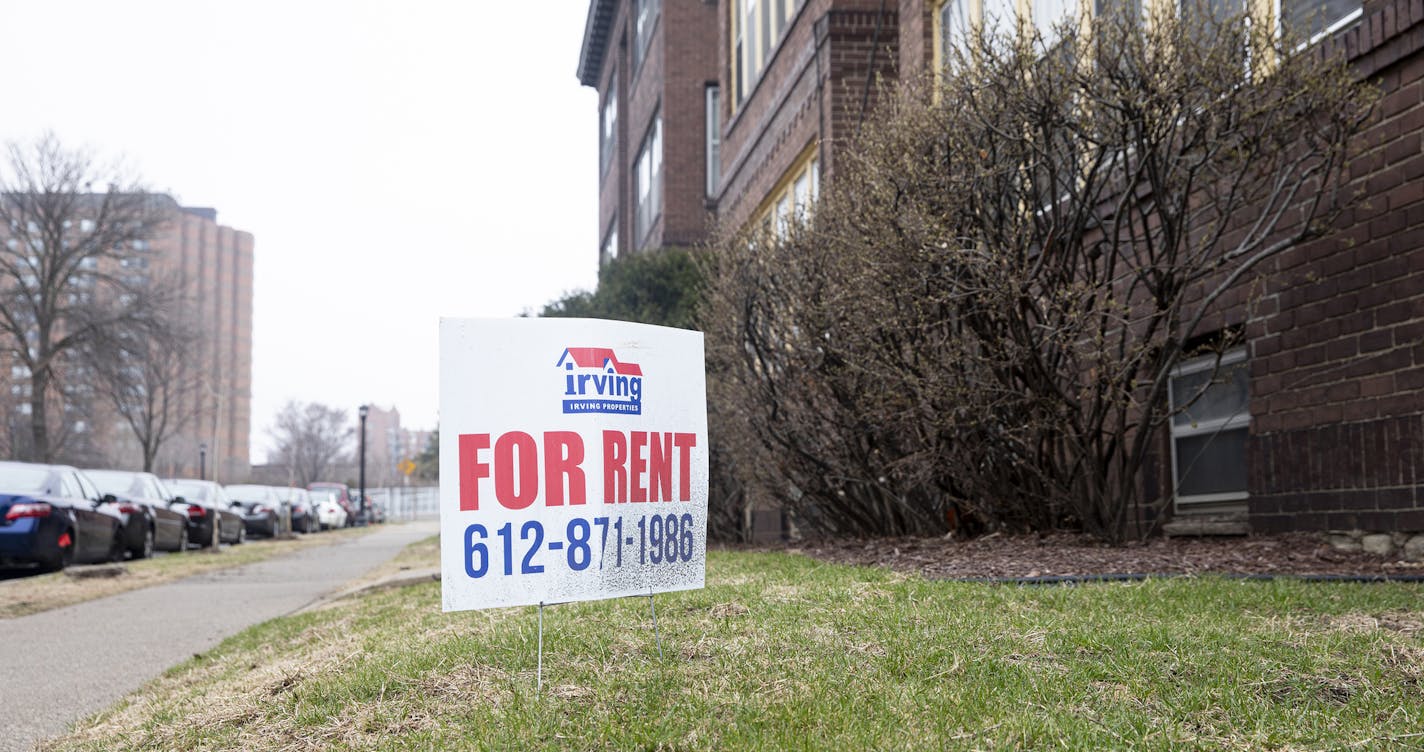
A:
[214, 263]
[205, 269]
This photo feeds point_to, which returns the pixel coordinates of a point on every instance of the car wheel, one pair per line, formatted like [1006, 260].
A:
[117, 548]
[217, 533]
[241, 534]
[183, 540]
[145, 549]
[63, 552]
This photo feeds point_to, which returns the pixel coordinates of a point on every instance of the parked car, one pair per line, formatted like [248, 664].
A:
[362, 505]
[211, 518]
[343, 497]
[53, 516]
[304, 519]
[261, 508]
[150, 520]
[376, 513]
[329, 512]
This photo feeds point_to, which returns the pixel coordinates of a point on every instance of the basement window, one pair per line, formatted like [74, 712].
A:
[1211, 418]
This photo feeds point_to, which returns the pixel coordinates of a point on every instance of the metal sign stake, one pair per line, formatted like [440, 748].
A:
[539, 665]
[539, 673]
[653, 607]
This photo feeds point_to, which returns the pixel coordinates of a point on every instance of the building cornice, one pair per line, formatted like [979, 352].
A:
[596, 31]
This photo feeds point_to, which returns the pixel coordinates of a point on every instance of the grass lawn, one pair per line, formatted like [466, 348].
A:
[784, 652]
[29, 595]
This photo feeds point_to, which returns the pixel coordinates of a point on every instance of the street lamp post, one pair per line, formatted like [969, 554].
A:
[203, 461]
[364, 409]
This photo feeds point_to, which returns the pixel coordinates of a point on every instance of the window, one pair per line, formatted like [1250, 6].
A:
[1213, 10]
[1310, 19]
[793, 197]
[714, 139]
[608, 126]
[1049, 15]
[999, 16]
[951, 31]
[1210, 422]
[645, 17]
[69, 486]
[647, 181]
[757, 27]
[609, 250]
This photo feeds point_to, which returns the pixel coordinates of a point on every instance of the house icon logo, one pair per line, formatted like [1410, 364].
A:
[595, 381]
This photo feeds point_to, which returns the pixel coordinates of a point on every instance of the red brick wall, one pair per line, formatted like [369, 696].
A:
[681, 59]
[810, 89]
[689, 34]
[1337, 343]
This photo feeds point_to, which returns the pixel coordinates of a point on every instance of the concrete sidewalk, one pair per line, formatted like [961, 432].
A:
[65, 664]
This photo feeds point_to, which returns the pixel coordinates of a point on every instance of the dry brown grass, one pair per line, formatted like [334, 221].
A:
[31, 595]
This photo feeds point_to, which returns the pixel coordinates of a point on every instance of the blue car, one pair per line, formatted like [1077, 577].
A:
[53, 516]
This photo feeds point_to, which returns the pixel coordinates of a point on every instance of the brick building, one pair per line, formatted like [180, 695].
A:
[1321, 420]
[654, 64]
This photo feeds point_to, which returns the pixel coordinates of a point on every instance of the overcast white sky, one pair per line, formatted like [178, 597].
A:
[396, 160]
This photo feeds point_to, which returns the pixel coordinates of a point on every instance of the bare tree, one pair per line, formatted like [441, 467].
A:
[985, 312]
[69, 226]
[148, 377]
[310, 438]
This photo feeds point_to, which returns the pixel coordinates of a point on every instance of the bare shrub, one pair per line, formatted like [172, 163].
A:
[982, 316]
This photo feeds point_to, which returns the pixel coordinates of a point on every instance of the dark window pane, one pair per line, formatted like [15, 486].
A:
[1306, 18]
[1212, 463]
[1211, 394]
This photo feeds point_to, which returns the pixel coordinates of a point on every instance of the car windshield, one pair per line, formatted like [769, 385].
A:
[24, 480]
[247, 494]
[114, 482]
[189, 490]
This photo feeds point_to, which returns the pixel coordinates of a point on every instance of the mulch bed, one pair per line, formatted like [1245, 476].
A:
[1064, 554]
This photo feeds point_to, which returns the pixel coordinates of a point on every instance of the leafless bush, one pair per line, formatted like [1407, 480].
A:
[984, 312]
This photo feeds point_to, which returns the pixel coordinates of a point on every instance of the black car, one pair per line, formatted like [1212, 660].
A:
[211, 518]
[260, 506]
[53, 516]
[151, 521]
[304, 517]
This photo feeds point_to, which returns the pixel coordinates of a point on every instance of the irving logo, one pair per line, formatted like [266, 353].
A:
[595, 382]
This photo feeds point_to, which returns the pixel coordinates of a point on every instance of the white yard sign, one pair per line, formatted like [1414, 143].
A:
[573, 461]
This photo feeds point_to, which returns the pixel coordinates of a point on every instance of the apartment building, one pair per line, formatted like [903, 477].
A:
[215, 263]
[1321, 426]
[654, 63]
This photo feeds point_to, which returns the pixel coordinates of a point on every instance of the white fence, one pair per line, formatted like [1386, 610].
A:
[408, 502]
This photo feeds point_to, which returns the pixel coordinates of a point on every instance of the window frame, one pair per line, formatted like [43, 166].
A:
[1339, 24]
[756, 29]
[712, 100]
[768, 215]
[647, 212]
[1240, 420]
[645, 16]
[608, 131]
[608, 248]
